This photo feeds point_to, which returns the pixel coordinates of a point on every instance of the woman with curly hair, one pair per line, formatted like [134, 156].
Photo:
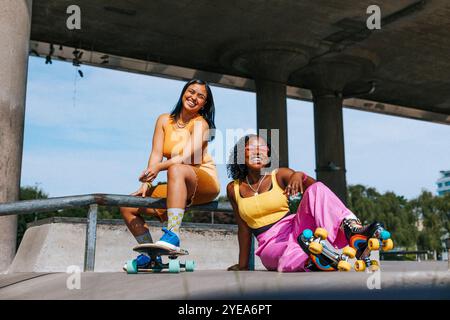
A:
[260, 203]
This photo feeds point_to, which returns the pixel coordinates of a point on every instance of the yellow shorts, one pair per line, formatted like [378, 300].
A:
[207, 189]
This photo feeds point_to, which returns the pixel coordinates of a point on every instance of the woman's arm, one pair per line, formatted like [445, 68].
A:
[293, 181]
[156, 154]
[244, 234]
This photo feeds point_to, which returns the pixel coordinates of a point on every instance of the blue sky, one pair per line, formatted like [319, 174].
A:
[93, 134]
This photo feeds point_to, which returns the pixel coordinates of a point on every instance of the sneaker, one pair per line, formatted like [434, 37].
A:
[143, 261]
[169, 240]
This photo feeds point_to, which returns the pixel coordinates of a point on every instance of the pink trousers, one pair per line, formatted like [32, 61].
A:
[278, 248]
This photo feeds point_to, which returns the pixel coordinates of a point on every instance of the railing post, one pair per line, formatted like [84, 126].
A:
[91, 237]
[251, 258]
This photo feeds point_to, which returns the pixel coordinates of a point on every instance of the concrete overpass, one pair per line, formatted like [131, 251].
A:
[315, 50]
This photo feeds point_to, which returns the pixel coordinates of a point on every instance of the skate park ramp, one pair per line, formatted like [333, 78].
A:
[52, 245]
[40, 270]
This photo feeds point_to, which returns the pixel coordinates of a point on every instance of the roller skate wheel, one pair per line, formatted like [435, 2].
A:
[349, 252]
[307, 234]
[189, 265]
[374, 244]
[385, 235]
[174, 266]
[321, 233]
[388, 245]
[315, 248]
[360, 265]
[344, 266]
[132, 266]
[374, 265]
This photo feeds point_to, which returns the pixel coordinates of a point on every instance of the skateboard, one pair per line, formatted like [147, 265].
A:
[322, 257]
[155, 252]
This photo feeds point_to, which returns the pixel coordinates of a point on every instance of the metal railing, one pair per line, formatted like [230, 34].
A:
[99, 199]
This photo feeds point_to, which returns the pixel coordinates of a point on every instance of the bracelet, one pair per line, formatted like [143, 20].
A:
[148, 184]
[305, 177]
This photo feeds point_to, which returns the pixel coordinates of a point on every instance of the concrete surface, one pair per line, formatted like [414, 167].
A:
[397, 280]
[53, 247]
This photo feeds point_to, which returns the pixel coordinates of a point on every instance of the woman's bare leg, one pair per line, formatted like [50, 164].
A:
[181, 185]
[134, 221]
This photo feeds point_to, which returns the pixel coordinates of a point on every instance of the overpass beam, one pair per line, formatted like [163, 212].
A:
[15, 24]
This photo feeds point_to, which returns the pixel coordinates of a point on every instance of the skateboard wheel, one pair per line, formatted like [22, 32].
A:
[360, 265]
[344, 266]
[132, 266]
[174, 266]
[385, 235]
[307, 234]
[388, 245]
[190, 265]
[374, 265]
[374, 244]
[321, 233]
[315, 248]
[349, 252]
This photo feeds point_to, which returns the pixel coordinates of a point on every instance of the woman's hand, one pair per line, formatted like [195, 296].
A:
[142, 191]
[149, 174]
[295, 184]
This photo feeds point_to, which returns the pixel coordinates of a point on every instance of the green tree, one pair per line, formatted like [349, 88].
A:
[392, 210]
[433, 214]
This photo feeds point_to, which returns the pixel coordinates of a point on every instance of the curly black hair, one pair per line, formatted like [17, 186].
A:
[236, 168]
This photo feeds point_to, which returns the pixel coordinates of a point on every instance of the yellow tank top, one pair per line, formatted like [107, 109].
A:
[175, 140]
[263, 209]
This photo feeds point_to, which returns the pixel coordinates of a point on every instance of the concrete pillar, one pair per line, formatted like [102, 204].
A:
[15, 24]
[270, 64]
[329, 141]
[271, 113]
[327, 78]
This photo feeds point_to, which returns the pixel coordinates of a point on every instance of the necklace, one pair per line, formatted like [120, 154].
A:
[183, 124]
[259, 184]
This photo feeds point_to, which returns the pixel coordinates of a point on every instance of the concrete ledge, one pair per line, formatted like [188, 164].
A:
[54, 244]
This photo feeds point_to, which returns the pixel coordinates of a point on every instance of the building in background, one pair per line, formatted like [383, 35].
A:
[443, 183]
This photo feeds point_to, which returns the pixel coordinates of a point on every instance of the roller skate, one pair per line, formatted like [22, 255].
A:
[365, 239]
[321, 256]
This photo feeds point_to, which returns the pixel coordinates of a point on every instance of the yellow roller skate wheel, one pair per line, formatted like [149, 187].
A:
[321, 233]
[344, 266]
[374, 265]
[349, 252]
[315, 248]
[388, 245]
[374, 244]
[360, 265]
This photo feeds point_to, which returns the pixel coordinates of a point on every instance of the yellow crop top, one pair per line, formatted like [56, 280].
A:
[175, 140]
[265, 208]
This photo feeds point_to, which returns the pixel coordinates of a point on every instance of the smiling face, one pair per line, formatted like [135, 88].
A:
[256, 153]
[194, 98]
